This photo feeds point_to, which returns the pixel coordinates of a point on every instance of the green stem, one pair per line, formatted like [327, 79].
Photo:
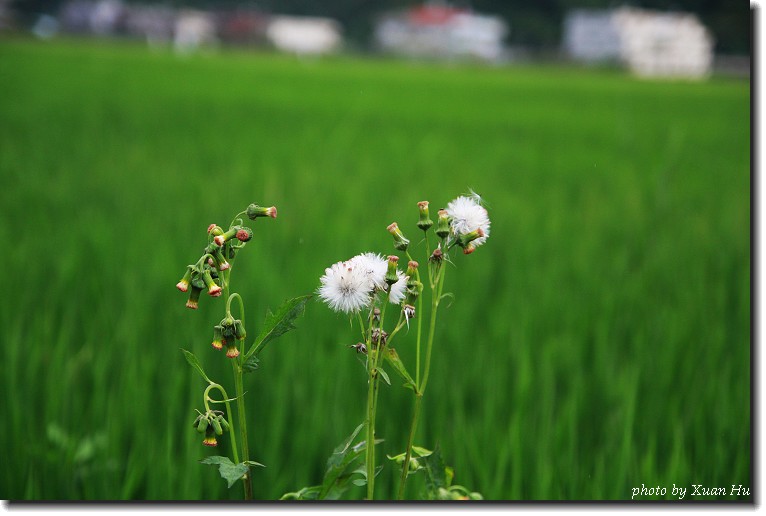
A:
[437, 288]
[246, 480]
[370, 452]
[410, 442]
[208, 399]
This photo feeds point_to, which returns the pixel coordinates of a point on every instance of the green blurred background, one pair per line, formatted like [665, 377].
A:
[598, 341]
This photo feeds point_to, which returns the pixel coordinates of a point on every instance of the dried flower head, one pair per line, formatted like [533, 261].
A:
[468, 216]
[346, 287]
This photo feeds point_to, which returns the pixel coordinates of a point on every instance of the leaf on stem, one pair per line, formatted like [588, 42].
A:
[279, 323]
[229, 471]
[392, 357]
[195, 364]
[337, 476]
[384, 374]
[250, 365]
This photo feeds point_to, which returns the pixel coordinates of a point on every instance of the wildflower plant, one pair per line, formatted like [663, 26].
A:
[383, 295]
[212, 273]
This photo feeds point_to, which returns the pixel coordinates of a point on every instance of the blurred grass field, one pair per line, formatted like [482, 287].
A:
[600, 340]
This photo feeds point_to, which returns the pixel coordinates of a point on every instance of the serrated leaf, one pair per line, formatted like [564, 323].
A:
[279, 323]
[226, 468]
[192, 359]
[392, 357]
[251, 364]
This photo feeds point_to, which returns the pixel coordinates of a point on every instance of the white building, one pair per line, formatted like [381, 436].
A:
[649, 43]
[440, 31]
[304, 35]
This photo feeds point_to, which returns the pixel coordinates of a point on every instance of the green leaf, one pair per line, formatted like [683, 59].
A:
[228, 470]
[384, 375]
[343, 455]
[195, 364]
[436, 473]
[251, 364]
[392, 357]
[279, 323]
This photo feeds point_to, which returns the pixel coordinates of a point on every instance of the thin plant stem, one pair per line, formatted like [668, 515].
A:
[246, 480]
[208, 399]
[410, 442]
[437, 288]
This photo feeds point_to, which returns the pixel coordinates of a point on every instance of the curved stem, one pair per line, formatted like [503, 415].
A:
[229, 413]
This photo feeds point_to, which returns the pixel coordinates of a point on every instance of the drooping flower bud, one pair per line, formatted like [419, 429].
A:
[469, 248]
[425, 221]
[391, 276]
[244, 234]
[218, 340]
[466, 239]
[227, 325]
[231, 348]
[239, 330]
[193, 301]
[210, 439]
[442, 225]
[226, 236]
[212, 288]
[400, 242]
[220, 260]
[254, 211]
[183, 285]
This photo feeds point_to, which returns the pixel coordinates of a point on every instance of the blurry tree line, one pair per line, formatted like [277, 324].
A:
[536, 25]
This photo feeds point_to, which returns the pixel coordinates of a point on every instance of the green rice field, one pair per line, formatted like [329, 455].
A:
[599, 341]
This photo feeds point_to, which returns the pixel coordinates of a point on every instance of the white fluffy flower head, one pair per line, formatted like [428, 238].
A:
[399, 289]
[345, 287]
[468, 215]
[374, 267]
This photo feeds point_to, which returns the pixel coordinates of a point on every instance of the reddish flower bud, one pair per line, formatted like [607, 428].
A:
[254, 211]
[244, 234]
[193, 301]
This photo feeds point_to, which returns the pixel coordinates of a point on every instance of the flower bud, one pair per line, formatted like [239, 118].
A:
[227, 325]
[254, 211]
[244, 234]
[469, 248]
[412, 272]
[239, 330]
[413, 292]
[391, 276]
[218, 340]
[214, 229]
[210, 439]
[425, 221]
[212, 288]
[464, 239]
[225, 237]
[193, 301]
[231, 348]
[220, 261]
[400, 242]
[183, 285]
[442, 225]
[437, 255]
